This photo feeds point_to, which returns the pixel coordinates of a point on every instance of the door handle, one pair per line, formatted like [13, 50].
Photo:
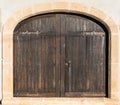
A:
[68, 64]
[69, 68]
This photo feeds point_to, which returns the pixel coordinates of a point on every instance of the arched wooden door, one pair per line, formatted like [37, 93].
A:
[60, 54]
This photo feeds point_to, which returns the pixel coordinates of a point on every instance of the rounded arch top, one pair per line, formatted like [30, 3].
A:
[70, 7]
[80, 19]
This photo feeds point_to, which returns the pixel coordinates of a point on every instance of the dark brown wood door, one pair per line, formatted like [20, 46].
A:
[60, 55]
[37, 56]
[85, 57]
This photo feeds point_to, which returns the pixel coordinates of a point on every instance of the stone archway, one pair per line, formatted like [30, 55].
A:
[48, 8]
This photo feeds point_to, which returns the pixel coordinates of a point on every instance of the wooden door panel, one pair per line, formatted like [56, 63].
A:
[37, 57]
[85, 51]
[87, 73]
[60, 54]
[47, 70]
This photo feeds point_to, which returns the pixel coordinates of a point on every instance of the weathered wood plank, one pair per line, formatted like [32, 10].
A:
[60, 54]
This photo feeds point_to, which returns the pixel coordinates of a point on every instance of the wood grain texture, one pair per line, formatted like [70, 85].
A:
[60, 54]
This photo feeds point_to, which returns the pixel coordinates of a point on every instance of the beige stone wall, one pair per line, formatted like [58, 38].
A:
[9, 26]
[110, 7]
[0, 56]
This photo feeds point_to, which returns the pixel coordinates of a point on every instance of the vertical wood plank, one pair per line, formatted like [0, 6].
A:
[58, 56]
[39, 60]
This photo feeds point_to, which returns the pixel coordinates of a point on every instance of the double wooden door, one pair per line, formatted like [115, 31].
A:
[60, 54]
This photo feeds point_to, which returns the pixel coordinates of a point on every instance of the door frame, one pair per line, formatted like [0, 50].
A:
[71, 7]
